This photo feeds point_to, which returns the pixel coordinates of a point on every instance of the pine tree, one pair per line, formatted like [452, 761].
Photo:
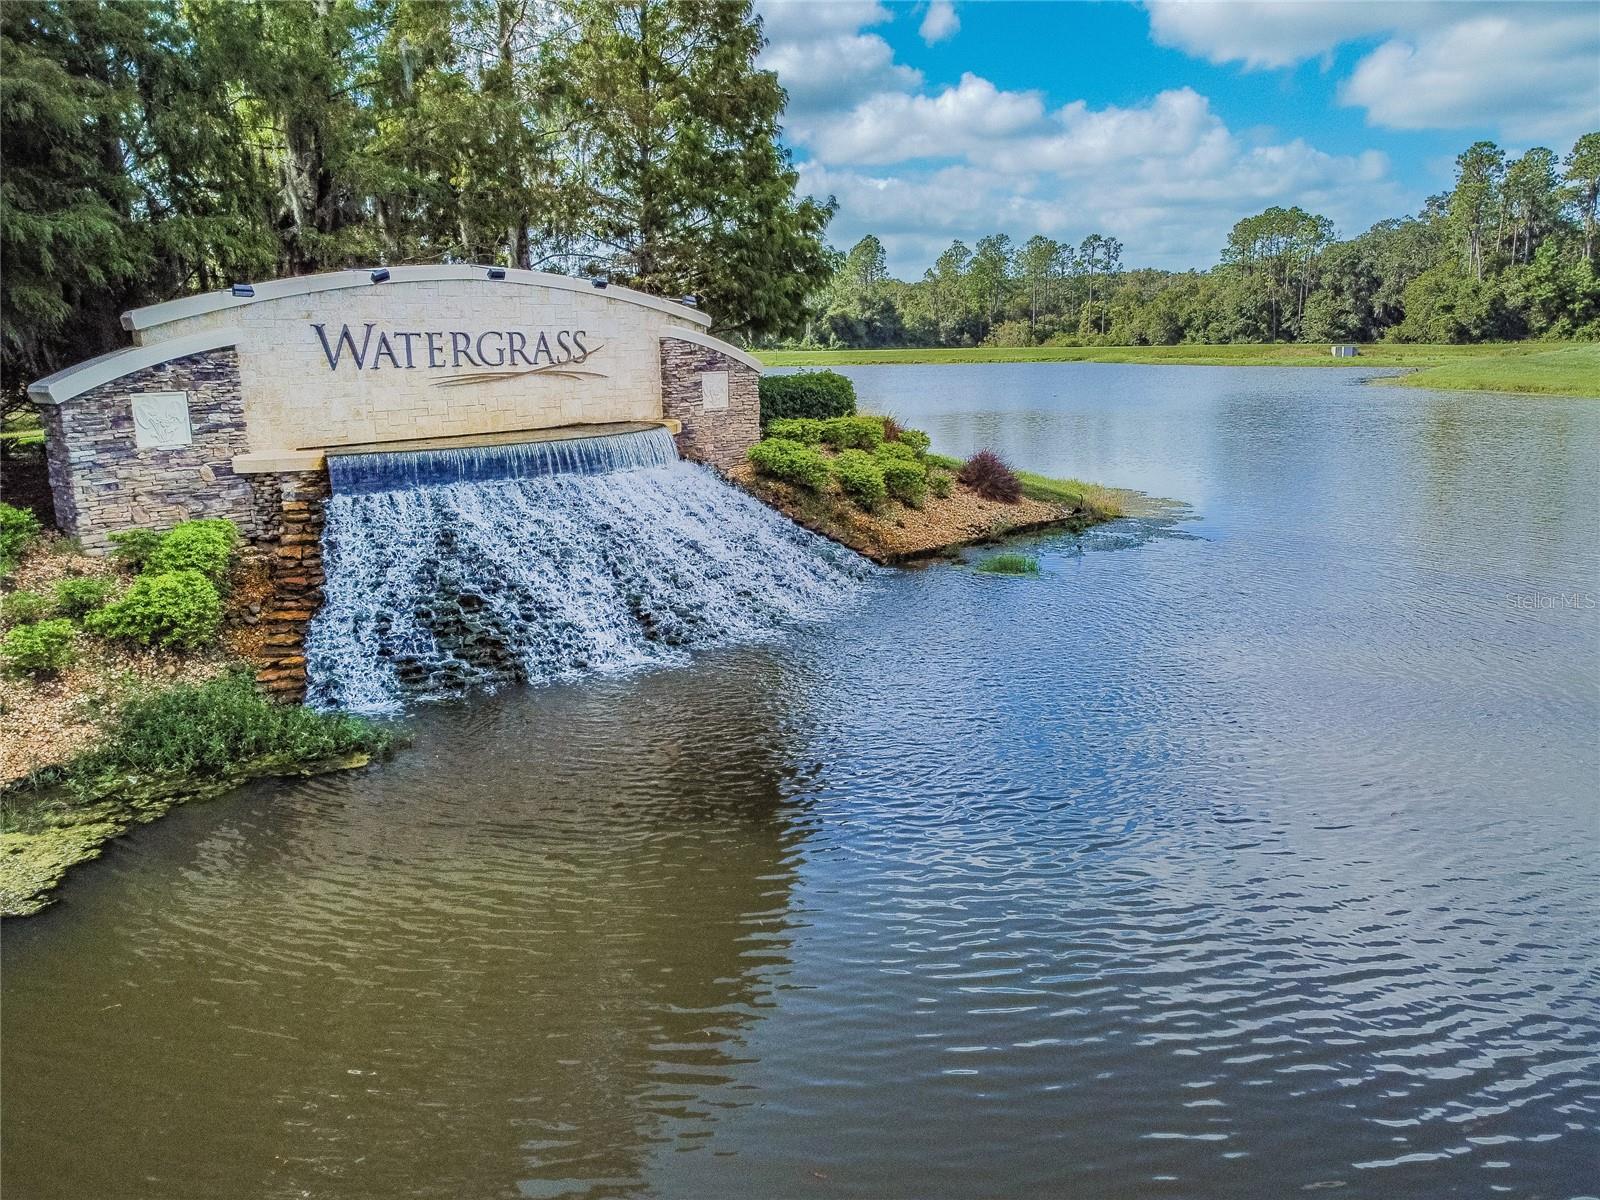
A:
[303, 75]
[688, 186]
[67, 232]
[474, 118]
[1531, 200]
[1583, 181]
[1475, 201]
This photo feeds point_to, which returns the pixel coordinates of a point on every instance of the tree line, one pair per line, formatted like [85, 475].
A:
[155, 148]
[1507, 253]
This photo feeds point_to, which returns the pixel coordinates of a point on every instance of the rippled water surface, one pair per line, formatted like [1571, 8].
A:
[1250, 854]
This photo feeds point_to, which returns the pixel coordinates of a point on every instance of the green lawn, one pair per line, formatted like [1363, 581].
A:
[1571, 370]
[1563, 369]
[22, 429]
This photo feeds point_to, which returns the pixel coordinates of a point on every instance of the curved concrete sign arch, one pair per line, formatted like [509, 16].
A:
[267, 379]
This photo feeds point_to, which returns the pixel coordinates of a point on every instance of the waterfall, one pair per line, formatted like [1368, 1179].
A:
[546, 561]
[389, 471]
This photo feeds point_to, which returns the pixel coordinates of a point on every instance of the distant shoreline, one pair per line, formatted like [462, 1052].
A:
[1529, 368]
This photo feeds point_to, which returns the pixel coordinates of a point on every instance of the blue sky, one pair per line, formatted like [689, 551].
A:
[1160, 123]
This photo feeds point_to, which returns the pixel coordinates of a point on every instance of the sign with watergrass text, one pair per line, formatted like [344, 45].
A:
[467, 357]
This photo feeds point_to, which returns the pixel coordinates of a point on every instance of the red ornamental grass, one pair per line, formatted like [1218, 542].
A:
[987, 474]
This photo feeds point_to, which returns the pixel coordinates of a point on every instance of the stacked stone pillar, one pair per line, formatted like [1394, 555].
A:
[103, 480]
[292, 510]
[715, 397]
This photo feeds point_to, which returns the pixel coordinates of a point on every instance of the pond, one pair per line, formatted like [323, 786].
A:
[1245, 851]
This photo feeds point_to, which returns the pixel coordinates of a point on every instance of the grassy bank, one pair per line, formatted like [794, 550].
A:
[1538, 371]
[162, 748]
[124, 691]
[1101, 503]
[1533, 367]
[1090, 499]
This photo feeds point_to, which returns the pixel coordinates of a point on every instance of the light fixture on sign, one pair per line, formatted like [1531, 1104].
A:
[692, 301]
[497, 272]
[381, 275]
[600, 281]
[243, 290]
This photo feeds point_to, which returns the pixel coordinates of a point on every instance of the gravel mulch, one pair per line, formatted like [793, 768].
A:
[897, 532]
[49, 720]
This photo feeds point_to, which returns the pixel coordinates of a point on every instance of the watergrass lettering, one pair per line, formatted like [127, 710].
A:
[371, 349]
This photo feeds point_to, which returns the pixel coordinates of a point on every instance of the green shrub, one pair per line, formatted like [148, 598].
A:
[790, 461]
[80, 597]
[853, 433]
[941, 484]
[796, 429]
[860, 477]
[40, 648]
[916, 439]
[18, 529]
[17, 608]
[818, 394]
[205, 545]
[1010, 564]
[905, 480]
[896, 450]
[214, 728]
[171, 608]
[133, 547]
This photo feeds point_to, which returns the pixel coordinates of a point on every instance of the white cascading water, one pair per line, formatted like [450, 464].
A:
[603, 554]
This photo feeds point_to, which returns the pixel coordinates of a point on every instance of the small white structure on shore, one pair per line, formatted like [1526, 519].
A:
[1345, 351]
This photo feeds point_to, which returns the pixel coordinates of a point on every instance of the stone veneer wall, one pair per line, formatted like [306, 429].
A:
[718, 437]
[103, 482]
[290, 512]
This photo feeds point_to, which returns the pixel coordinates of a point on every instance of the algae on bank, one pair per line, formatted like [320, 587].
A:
[47, 834]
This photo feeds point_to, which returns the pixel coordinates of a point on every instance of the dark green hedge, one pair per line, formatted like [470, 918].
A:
[819, 394]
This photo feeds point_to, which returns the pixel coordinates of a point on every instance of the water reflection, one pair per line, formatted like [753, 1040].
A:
[1255, 861]
[522, 958]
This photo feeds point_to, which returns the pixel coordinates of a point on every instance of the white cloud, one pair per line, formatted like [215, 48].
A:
[1526, 70]
[939, 23]
[788, 19]
[899, 126]
[1167, 177]
[1270, 33]
[919, 169]
[1530, 78]
[823, 59]
[1177, 124]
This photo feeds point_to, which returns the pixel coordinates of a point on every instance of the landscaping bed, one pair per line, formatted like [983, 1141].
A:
[873, 485]
[896, 532]
[125, 689]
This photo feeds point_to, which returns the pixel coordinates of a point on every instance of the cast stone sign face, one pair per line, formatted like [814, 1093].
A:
[161, 420]
[713, 391]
